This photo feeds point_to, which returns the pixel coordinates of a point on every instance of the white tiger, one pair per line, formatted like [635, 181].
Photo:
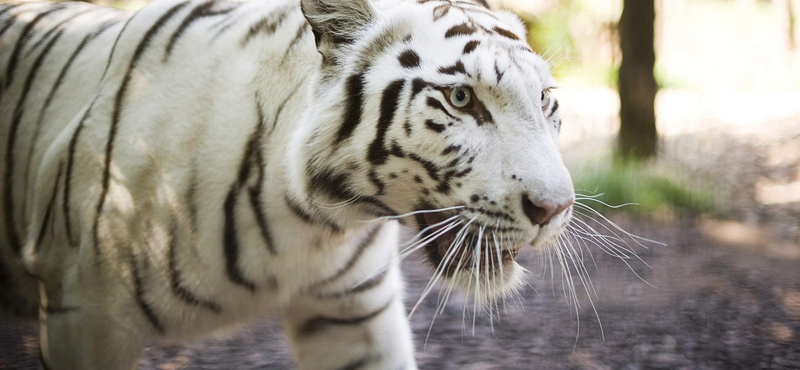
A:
[199, 164]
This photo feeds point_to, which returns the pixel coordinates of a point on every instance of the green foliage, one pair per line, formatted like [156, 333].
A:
[640, 188]
[550, 37]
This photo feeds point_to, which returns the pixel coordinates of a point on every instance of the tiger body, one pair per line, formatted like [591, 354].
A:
[199, 164]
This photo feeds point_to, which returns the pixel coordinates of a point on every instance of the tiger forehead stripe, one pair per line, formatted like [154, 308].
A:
[452, 70]
[463, 29]
[505, 33]
[409, 59]
[470, 47]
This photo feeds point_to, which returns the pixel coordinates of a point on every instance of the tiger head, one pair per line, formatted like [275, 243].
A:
[440, 109]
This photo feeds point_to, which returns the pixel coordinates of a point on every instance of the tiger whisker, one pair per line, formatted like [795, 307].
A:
[394, 217]
[635, 238]
[408, 250]
[616, 246]
[440, 269]
[338, 205]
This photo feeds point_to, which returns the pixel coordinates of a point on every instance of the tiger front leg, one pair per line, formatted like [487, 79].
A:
[355, 321]
[83, 333]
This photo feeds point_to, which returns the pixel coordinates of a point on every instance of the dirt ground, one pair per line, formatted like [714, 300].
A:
[712, 305]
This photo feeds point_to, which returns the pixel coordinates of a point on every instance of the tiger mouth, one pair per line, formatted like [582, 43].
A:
[454, 249]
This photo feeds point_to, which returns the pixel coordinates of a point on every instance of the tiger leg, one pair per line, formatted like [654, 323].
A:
[92, 335]
[358, 321]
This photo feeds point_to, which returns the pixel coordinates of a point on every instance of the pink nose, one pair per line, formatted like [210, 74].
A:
[542, 212]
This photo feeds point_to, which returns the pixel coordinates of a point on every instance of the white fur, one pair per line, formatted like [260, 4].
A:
[179, 148]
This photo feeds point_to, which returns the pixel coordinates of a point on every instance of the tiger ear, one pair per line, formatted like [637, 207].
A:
[336, 22]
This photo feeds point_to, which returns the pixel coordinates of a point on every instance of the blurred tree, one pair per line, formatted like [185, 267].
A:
[637, 84]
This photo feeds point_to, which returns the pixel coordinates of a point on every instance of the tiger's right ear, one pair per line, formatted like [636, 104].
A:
[336, 22]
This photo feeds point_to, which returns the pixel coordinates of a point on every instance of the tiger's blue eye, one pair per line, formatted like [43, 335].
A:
[460, 97]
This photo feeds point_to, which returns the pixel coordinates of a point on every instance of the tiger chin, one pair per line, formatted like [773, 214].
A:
[197, 165]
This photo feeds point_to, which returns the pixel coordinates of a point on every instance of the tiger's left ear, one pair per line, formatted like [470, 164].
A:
[336, 22]
[513, 21]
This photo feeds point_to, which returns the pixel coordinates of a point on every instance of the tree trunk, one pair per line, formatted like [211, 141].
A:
[637, 84]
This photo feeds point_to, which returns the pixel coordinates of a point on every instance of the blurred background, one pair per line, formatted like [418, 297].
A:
[681, 128]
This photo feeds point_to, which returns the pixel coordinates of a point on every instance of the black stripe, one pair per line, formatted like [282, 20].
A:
[19, 112]
[37, 64]
[417, 85]
[497, 72]
[554, 110]
[336, 186]
[120, 97]
[379, 208]
[367, 285]
[231, 242]
[430, 167]
[440, 11]
[139, 292]
[254, 191]
[436, 104]
[56, 28]
[9, 23]
[481, 114]
[409, 59]
[433, 126]
[261, 218]
[175, 279]
[267, 25]
[396, 150]
[320, 323]
[22, 39]
[226, 23]
[452, 70]
[49, 211]
[470, 46]
[301, 31]
[11, 19]
[73, 144]
[483, 3]
[7, 8]
[283, 105]
[71, 59]
[375, 180]
[377, 153]
[352, 115]
[191, 200]
[378, 46]
[309, 218]
[199, 12]
[450, 149]
[51, 96]
[463, 29]
[365, 242]
[505, 33]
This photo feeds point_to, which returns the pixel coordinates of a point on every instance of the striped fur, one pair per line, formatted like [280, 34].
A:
[201, 163]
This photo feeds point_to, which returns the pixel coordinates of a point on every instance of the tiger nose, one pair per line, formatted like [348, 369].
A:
[542, 212]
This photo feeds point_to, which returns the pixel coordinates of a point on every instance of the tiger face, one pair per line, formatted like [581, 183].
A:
[446, 114]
